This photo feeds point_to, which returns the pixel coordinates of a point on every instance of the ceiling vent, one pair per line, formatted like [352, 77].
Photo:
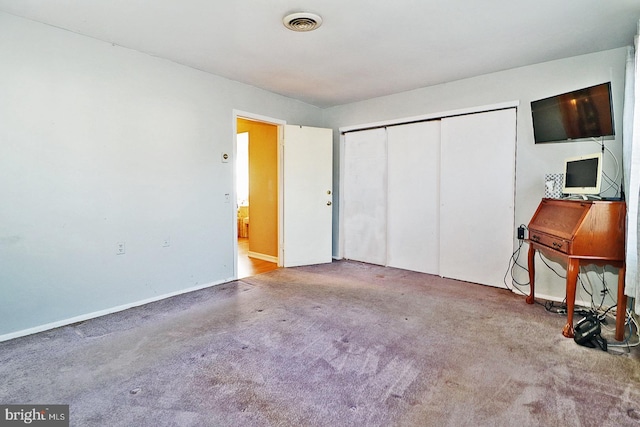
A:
[302, 21]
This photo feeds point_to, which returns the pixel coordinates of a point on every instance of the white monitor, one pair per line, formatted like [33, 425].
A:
[583, 174]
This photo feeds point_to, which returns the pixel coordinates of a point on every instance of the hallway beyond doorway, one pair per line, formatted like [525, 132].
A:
[251, 266]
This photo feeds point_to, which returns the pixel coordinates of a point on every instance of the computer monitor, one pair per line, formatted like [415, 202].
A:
[583, 175]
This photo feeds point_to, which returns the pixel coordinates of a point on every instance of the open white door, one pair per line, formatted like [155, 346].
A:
[307, 195]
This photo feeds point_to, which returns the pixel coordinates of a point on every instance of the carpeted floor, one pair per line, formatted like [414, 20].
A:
[339, 344]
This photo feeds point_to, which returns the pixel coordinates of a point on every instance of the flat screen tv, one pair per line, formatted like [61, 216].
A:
[583, 175]
[581, 114]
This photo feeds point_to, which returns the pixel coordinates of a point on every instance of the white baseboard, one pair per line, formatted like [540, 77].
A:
[263, 257]
[93, 315]
[556, 299]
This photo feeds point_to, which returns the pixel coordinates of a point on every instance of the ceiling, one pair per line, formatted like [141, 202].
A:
[364, 48]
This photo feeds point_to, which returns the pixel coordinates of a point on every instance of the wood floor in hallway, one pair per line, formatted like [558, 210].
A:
[247, 266]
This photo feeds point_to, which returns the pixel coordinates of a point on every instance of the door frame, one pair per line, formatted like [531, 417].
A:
[238, 114]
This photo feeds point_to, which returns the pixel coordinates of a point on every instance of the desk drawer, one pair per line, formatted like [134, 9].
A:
[553, 242]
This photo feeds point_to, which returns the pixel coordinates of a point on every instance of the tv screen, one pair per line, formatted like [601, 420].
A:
[583, 113]
[583, 175]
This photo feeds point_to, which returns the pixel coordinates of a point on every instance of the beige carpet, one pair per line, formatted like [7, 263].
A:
[339, 344]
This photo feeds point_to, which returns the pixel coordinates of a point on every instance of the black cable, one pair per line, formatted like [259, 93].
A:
[551, 268]
[514, 259]
[549, 305]
[513, 263]
[602, 316]
[522, 267]
[585, 289]
[610, 181]
[564, 277]
[604, 291]
[562, 308]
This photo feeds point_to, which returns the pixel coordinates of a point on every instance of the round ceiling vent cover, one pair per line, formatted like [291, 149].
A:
[302, 21]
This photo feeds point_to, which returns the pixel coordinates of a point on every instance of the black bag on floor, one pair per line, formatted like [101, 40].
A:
[587, 333]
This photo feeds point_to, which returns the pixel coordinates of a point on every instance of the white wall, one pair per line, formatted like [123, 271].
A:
[101, 144]
[533, 161]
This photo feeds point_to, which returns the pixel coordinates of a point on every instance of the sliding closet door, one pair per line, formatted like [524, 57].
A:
[413, 196]
[364, 198]
[477, 196]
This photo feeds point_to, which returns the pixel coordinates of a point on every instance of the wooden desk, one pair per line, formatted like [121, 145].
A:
[579, 233]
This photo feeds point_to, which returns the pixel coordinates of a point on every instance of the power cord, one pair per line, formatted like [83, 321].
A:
[513, 263]
[613, 183]
[551, 306]
[579, 278]
[630, 322]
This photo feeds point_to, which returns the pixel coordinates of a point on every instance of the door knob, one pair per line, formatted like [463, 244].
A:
[329, 203]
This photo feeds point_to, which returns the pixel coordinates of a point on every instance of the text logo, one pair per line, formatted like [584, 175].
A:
[34, 415]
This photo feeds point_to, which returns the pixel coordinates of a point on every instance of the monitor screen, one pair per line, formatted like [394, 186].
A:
[583, 175]
[580, 114]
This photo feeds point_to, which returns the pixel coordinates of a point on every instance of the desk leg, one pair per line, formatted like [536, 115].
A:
[532, 273]
[621, 314]
[573, 267]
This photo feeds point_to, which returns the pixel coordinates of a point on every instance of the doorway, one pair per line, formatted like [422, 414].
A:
[297, 194]
[257, 196]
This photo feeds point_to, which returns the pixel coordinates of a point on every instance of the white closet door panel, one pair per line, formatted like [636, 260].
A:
[477, 196]
[413, 196]
[365, 196]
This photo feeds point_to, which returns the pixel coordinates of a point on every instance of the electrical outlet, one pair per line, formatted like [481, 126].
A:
[521, 233]
[120, 248]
